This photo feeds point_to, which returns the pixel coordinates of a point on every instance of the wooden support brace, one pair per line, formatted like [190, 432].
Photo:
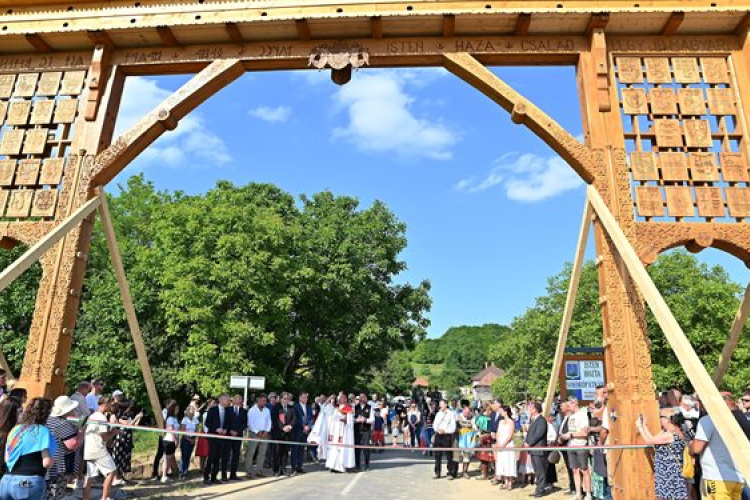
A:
[728, 428]
[97, 79]
[743, 25]
[570, 302]
[35, 252]
[449, 25]
[738, 325]
[303, 29]
[234, 33]
[39, 43]
[595, 31]
[673, 23]
[523, 111]
[167, 36]
[100, 37]
[127, 302]
[376, 27]
[523, 24]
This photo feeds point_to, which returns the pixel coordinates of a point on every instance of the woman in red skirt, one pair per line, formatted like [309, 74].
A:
[201, 447]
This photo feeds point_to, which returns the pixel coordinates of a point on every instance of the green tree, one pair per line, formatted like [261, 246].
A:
[396, 376]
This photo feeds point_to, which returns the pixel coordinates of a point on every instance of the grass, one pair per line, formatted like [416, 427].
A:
[145, 443]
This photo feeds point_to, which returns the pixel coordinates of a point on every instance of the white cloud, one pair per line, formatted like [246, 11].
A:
[191, 143]
[526, 177]
[381, 118]
[272, 115]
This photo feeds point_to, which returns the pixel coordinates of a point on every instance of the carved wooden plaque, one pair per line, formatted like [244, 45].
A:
[648, 201]
[10, 144]
[721, 102]
[703, 167]
[634, 101]
[36, 140]
[20, 203]
[738, 200]
[7, 82]
[3, 110]
[18, 112]
[49, 83]
[668, 133]
[663, 102]
[66, 111]
[673, 166]
[679, 201]
[26, 85]
[643, 165]
[72, 82]
[27, 172]
[3, 201]
[698, 134]
[686, 70]
[52, 170]
[710, 201]
[733, 167]
[629, 70]
[657, 70]
[44, 203]
[715, 70]
[691, 101]
[42, 113]
[7, 169]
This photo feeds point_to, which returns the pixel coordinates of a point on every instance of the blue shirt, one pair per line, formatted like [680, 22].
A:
[27, 439]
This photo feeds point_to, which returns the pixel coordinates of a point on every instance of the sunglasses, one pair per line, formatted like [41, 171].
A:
[745, 400]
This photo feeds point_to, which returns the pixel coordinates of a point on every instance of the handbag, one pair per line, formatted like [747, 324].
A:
[687, 465]
[554, 457]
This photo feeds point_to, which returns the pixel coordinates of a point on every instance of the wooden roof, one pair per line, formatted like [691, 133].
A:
[487, 376]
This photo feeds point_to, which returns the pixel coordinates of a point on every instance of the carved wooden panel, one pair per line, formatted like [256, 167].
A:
[663, 102]
[710, 201]
[738, 199]
[643, 166]
[673, 166]
[634, 101]
[703, 167]
[691, 101]
[20, 203]
[679, 201]
[649, 201]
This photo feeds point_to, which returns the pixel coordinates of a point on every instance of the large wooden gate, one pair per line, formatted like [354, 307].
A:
[663, 87]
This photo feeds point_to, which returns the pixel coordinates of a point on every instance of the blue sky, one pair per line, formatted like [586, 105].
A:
[491, 211]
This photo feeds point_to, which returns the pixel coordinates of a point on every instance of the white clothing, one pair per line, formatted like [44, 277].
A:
[259, 420]
[171, 424]
[551, 434]
[341, 432]
[82, 410]
[716, 461]
[92, 402]
[319, 433]
[94, 447]
[445, 421]
[191, 424]
[576, 423]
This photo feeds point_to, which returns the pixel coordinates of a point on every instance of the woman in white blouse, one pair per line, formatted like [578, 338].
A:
[190, 423]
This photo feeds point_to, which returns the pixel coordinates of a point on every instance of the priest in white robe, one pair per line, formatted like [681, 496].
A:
[341, 432]
[319, 433]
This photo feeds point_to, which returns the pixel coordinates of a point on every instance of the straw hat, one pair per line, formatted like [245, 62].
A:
[63, 405]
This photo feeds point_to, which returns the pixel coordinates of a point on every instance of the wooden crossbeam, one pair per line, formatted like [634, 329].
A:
[449, 25]
[38, 42]
[303, 29]
[570, 302]
[523, 24]
[127, 302]
[35, 252]
[101, 37]
[740, 319]
[376, 27]
[728, 428]
[234, 32]
[743, 25]
[167, 36]
[673, 23]
[597, 22]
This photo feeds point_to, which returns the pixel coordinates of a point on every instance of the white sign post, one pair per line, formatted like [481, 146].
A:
[246, 382]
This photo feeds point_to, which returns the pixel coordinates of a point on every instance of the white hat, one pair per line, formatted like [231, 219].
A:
[118, 392]
[63, 405]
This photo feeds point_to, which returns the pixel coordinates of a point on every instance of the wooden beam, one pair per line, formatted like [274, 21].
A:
[234, 33]
[597, 22]
[449, 25]
[38, 42]
[740, 319]
[5, 366]
[303, 29]
[34, 253]
[673, 23]
[711, 399]
[101, 37]
[570, 302]
[127, 302]
[523, 23]
[743, 25]
[522, 111]
[376, 27]
[167, 36]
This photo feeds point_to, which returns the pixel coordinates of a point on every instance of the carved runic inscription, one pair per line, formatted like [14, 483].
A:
[44, 203]
[7, 169]
[710, 202]
[26, 85]
[27, 172]
[20, 203]
[35, 141]
[643, 165]
[698, 134]
[721, 102]
[634, 101]
[66, 111]
[6, 85]
[52, 170]
[738, 199]
[679, 201]
[673, 166]
[691, 101]
[649, 202]
[10, 144]
[42, 113]
[668, 133]
[703, 167]
[733, 167]
[657, 70]
[18, 113]
[663, 102]
[49, 83]
[629, 70]
[686, 70]
[715, 70]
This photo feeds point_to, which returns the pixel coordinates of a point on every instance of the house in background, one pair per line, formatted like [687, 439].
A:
[481, 383]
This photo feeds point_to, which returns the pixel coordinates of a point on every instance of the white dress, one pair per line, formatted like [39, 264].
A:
[319, 433]
[340, 431]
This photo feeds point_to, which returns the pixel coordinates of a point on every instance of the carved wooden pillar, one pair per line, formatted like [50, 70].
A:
[52, 331]
[626, 341]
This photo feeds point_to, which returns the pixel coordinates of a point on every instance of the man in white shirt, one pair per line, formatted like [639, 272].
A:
[92, 399]
[80, 397]
[258, 425]
[445, 427]
[578, 435]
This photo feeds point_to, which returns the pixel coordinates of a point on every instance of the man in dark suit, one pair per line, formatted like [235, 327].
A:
[237, 429]
[281, 428]
[495, 418]
[363, 419]
[218, 421]
[537, 437]
[302, 426]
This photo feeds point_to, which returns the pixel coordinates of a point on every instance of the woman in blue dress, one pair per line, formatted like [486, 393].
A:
[670, 448]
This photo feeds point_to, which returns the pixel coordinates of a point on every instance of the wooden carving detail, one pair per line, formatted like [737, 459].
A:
[339, 55]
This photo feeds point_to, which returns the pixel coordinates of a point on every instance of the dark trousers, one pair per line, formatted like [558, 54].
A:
[218, 454]
[235, 449]
[298, 451]
[539, 463]
[270, 455]
[281, 458]
[186, 451]
[414, 435]
[445, 441]
[157, 458]
[570, 471]
[362, 438]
